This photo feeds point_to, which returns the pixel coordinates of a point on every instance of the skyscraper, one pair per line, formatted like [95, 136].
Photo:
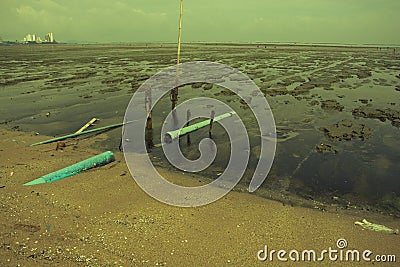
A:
[49, 37]
[28, 38]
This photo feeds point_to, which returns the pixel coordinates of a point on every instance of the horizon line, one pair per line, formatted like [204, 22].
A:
[222, 42]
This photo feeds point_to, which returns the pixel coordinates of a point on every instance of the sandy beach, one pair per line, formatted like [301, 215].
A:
[102, 218]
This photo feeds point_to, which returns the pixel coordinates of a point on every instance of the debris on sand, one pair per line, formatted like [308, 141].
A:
[60, 146]
[347, 130]
[376, 227]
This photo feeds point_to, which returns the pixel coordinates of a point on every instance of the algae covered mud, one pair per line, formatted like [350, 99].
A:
[337, 110]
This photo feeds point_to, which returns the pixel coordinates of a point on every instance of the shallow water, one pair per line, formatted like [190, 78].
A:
[54, 90]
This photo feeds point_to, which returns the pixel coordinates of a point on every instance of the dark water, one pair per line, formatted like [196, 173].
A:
[362, 171]
[54, 90]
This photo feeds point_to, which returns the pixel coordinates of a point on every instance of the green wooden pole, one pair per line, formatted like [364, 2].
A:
[171, 135]
[96, 161]
[81, 133]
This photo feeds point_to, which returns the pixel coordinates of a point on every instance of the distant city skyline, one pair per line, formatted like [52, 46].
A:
[302, 21]
[48, 38]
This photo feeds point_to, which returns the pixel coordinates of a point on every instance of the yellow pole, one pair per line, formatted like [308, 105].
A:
[180, 33]
[174, 92]
[84, 127]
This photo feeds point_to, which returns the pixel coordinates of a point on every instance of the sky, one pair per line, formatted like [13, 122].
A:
[302, 21]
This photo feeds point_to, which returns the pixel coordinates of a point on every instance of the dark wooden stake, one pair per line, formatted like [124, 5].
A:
[211, 122]
[174, 101]
[187, 124]
[148, 103]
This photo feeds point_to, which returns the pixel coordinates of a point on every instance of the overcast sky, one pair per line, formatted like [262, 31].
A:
[331, 21]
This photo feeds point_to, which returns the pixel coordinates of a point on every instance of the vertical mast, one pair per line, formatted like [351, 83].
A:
[180, 33]
[174, 92]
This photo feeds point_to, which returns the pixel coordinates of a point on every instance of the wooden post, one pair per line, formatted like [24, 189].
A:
[211, 122]
[148, 103]
[187, 124]
[149, 138]
[149, 122]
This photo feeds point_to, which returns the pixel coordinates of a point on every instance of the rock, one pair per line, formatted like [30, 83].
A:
[277, 91]
[396, 123]
[347, 130]
[225, 92]
[197, 85]
[208, 86]
[304, 88]
[362, 74]
[331, 104]
[60, 146]
[380, 114]
[322, 148]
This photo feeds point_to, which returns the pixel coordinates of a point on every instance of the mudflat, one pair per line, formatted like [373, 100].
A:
[337, 115]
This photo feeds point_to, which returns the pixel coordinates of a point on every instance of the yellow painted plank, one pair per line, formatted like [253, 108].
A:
[84, 127]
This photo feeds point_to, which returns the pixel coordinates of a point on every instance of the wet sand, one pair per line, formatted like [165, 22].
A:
[102, 218]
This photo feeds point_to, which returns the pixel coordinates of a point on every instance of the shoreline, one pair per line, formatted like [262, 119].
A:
[323, 202]
[102, 217]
